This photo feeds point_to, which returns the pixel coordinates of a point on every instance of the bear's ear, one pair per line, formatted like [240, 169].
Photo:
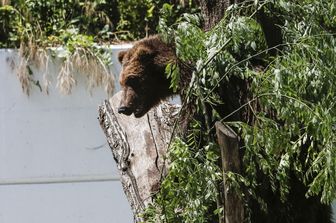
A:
[121, 55]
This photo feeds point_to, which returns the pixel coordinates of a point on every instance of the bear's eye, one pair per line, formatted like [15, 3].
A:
[133, 81]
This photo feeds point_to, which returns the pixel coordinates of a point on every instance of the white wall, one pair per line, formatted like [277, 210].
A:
[55, 165]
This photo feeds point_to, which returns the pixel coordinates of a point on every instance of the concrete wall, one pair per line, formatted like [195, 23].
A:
[55, 165]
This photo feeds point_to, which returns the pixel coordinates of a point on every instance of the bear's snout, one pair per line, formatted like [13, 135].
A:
[125, 110]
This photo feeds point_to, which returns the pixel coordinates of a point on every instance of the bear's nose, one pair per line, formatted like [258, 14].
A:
[125, 110]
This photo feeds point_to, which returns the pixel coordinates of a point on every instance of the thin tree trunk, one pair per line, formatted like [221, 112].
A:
[139, 146]
[228, 143]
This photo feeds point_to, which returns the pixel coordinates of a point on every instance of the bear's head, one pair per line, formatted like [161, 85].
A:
[143, 79]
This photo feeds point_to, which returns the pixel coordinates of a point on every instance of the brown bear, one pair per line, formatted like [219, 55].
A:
[143, 78]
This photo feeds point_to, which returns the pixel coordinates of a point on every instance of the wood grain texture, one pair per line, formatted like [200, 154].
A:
[139, 146]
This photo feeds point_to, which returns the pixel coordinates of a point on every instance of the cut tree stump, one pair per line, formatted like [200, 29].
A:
[139, 146]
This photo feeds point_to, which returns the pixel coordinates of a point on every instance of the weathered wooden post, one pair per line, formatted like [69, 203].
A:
[139, 146]
[228, 143]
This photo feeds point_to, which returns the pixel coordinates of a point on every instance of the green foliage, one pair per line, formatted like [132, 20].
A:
[172, 71]
[42, 20]
[189, 190]
[292, 101]
[105, 20]
[141, 18]
[10, 31]
[302, 84]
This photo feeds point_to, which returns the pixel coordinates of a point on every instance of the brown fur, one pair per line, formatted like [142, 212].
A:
[143, 78]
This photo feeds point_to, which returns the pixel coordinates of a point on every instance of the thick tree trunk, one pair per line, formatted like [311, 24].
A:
[272, 31]
[139, 146]
[214, 10]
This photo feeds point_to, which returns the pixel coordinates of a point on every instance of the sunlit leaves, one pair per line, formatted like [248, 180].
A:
[189, 189]
[293, 98]
[172, 71]
[303, 81]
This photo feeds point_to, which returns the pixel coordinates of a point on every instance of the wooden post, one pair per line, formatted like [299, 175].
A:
[228, 143]
[139, 146]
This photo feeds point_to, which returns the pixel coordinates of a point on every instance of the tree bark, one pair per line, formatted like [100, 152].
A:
[213, 11]
[271, 28]
[139, 146]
